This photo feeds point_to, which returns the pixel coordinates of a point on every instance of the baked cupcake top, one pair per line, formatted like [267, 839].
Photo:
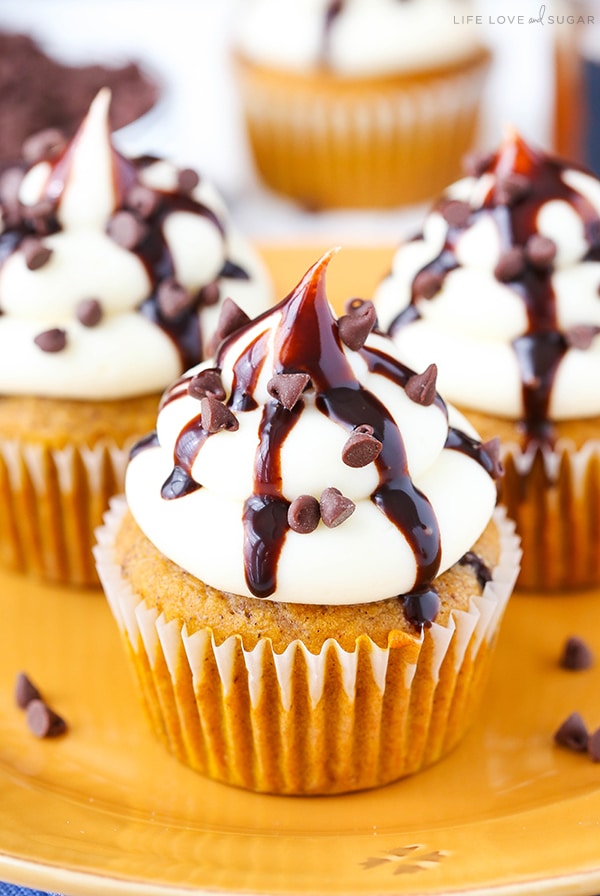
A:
[306, 464]
[501, 290]
[112, 270]
[356, 38]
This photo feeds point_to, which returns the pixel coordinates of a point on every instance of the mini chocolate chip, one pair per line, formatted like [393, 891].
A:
[356, 326]
[455, 212]
[581, 336]
[35, 252]
[353, 305]
[172, 298]
[576, 655]
[210, 294]
[46, 144]
[361, 448]
[25, 691]
[40, 216]
[593, 746]
[540, 251]
[53, 340]
[304, 514]
[207, 383]
[142, 200]
[491, 449]
[231, 318]
[126, 230]
[511, 188]
[187, 180]
[420, 387]
[335, 507]
[43, 721]
[89, 312]
[573, 733]
[216, 416]
[288, 387]
[427, 284]
[475, 164]
[511, 265]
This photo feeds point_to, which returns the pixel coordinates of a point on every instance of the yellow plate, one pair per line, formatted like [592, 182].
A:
[104, 810]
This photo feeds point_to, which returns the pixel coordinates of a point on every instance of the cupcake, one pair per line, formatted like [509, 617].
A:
[113, 273]
[307, 570]
[500, 290]
[359, 103]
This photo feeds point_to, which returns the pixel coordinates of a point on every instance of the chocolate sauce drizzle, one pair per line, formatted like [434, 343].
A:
[540, 350]
[307, 341]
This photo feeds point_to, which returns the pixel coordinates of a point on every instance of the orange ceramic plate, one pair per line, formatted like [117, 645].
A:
[104, 810]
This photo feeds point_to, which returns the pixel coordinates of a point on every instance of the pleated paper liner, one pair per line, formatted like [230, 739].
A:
[330, 142]
[297, 722]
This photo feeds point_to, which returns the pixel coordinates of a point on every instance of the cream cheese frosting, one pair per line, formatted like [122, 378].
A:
[306, 464]
[356, 38]
[501, 290]
[113, 271]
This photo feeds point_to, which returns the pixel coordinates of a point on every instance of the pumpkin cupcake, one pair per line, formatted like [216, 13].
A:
[500, 290]
[308, 573]
[112, 275]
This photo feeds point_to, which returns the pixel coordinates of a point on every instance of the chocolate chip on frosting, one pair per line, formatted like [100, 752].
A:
[210, 293]
[46, 144]
[35, 252]
[207, 383]
[335, 507]
[511, 264]
[216, 416]
[361, 448]
[353, 304]
[288, 387]
[54, 340]
[231, 318]
[420, 387]
[540, 251]
[187, 180]
[142, 200]
[491, 449]
[40, 216]
[427, 284]
[511, 188]
[581, 336]
[304, 514]
[455, 212]
[172, 298]
[573, 733]
[89, 312]
[576, 655]
[355, 326]
[25, 691]
[126, 229]
[43, 721]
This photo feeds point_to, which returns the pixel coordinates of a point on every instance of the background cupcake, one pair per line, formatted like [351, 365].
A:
[113, 273]
[501, 290]
[310, 578]
[359, 103]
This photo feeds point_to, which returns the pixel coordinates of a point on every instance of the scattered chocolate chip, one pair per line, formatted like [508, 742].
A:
[126, 229]
[46, 144]
[335, 507]
[356, 326]
[25, 691]
[475, 164]
[288, 387]
[420, 387]
[231, 318]
[576, 655]
[172, 299]
[573, 733]
[40, 216]
[511, 265]
[540, 251]
[187, 180]
[35, 252]
[491, 449]
[89, 312]
[43, 721]
[512, 188]
[361, 448]
[210, 294]
[581, 336]
[427, 284]
[207, 384]
[53, 340]
[455, 212]
[216, 416]
[304, 514]
[593, 746]
[142, 200]
[353, 305]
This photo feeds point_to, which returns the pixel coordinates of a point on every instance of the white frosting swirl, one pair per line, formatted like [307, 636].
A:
[363, 38]
[128, 352]
[477, 317]
[446, 493]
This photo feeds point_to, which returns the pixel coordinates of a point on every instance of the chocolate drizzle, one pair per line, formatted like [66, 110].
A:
[540, 350]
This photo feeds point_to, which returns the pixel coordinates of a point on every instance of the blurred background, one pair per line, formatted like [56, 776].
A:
[185, 46]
